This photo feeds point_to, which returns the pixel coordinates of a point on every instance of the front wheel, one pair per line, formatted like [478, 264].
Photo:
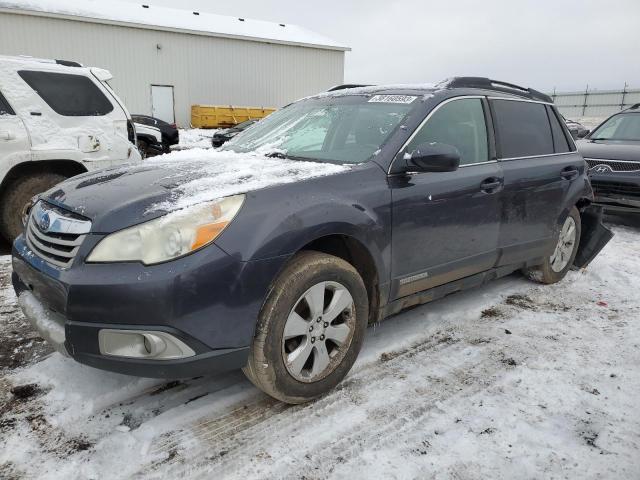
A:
[143, 148]
[558, 264]
[310, 329]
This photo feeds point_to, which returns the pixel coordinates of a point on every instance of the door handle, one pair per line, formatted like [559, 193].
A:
[4, 135]
[569, 173]
[491, 185]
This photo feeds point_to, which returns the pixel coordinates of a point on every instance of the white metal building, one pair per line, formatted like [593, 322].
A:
[164, 60]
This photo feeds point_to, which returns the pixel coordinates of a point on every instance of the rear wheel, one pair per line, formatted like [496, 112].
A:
[16, 198]
[310, 329]
[558, 264]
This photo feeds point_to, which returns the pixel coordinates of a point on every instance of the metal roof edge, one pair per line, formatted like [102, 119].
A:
[119, 23]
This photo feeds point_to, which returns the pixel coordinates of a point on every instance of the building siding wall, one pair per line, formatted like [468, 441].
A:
[202, 69]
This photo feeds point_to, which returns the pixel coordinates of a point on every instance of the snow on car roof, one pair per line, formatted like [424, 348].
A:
[150, 16]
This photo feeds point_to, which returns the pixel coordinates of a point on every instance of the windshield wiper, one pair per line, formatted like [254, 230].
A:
[286, 156]
[277, 155]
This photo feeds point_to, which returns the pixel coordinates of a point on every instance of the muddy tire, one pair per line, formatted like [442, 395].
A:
[559, 263]
[310, 329]
[17, 195]
[143, 148]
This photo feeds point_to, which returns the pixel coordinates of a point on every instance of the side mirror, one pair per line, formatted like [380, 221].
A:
[583, 133]
[433, 157]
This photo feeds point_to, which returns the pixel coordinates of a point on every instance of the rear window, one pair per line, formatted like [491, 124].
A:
[68, 95]
[523, 129]
[560, 143]
[5, 108]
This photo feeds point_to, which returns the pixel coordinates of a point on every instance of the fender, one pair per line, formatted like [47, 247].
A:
[11, 161]
[358, 202]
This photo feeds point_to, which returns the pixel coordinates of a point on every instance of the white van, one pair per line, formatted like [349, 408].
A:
[57, 119]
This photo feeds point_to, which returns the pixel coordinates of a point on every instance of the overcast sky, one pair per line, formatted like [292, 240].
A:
[542, 44]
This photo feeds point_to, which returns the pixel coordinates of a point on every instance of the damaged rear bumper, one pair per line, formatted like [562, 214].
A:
[595, 235]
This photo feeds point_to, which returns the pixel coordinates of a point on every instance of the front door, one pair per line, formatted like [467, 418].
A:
[14, 139]
[162, 103]
[446, 225]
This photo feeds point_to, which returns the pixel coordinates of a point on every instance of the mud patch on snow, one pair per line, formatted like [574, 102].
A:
[520, 301]
[21, 345]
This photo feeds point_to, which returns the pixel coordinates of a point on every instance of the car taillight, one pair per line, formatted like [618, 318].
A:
[173, 125]
[131, 132]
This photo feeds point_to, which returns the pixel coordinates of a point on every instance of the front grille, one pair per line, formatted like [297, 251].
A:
[615, 188]
[59, 240]
[616, 165]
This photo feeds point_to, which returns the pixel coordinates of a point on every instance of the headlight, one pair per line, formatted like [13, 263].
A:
[168, 237]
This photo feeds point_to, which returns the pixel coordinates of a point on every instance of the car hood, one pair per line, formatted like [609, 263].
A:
[609, 149]
[120, 197]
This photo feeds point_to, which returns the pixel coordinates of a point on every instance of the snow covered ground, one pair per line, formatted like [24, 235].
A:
[195, 138]
[511, 380]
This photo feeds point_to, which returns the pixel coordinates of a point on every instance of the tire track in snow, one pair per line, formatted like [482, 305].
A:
[243, 439]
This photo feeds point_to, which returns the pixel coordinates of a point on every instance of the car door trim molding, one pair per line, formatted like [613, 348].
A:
[507, 159]
[425, 120]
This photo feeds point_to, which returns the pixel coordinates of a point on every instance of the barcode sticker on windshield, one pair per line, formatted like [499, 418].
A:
[392, 99]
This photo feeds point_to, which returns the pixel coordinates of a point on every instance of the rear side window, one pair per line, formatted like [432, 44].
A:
[5, 108]
[523, 129]
[560, 143]
[461, 124]
[68, 95]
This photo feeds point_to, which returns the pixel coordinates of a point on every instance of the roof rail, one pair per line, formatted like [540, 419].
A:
[497, 85]
[345, 86]
[68, 63]
[635, 106]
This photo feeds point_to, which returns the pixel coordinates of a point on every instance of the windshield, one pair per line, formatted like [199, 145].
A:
[343, 129]
[625, 126]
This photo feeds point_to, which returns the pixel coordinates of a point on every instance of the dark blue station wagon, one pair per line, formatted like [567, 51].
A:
[367, 201]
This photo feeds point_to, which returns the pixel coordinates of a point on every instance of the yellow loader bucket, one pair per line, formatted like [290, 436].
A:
[222, 116]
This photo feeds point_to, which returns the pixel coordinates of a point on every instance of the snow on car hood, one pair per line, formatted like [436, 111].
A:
[204, 175]
[122, 196]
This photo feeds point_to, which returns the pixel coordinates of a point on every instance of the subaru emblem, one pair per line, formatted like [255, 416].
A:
[45, 222]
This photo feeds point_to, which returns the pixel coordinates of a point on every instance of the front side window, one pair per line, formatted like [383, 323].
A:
[624, 126]
[461, 124]
[522, 129]
[68, 95]
[333, 129]
[142, 120]
[5, 108]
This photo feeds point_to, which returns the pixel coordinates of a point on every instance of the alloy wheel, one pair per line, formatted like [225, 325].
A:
[564, 249]
[318, 331]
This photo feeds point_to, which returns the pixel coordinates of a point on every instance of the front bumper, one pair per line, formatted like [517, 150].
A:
[617, 191]
[208, 300]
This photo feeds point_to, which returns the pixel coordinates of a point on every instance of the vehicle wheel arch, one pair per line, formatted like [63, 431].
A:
[68, 168]
[354, 252]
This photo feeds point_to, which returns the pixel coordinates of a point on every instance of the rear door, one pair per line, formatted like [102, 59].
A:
[446, 224]
[14, 139]
[539, 169]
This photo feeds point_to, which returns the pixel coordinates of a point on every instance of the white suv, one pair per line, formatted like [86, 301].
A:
[57, 119]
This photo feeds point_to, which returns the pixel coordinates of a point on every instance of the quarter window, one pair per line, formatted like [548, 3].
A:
[68, 95]
[5, 108]
[461, 124]
[522, 128]
[560, 143]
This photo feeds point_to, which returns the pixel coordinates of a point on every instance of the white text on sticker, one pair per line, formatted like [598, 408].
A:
[392, 99]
